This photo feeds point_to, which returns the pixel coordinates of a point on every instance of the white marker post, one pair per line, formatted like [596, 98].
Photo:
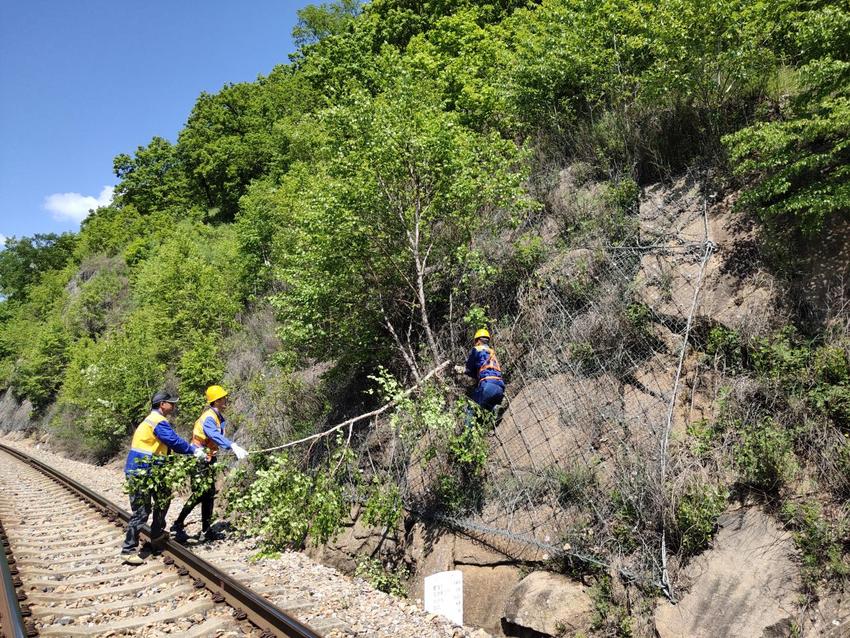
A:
[444, 595]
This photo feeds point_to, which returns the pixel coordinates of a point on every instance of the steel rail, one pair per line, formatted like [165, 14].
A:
[11, 621]
[247, 603]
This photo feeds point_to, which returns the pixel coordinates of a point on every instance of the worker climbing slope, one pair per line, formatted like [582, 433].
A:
[153, 439]
[482, 365]
[208, 434]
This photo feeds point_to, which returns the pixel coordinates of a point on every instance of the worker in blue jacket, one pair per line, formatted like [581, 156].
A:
[153, 439]
[209, 435]
[483, 366]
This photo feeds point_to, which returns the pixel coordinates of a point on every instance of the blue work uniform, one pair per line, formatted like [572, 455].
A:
[153, 439]
[481, 364]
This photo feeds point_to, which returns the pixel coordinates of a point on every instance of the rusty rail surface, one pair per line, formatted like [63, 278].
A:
[247, 603]
[11, 620]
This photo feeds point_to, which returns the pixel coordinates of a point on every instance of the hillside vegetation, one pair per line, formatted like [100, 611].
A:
[344, 223]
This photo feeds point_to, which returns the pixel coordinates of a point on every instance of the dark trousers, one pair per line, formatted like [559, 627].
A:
[487, 395]
[206, 497]
[143, 505]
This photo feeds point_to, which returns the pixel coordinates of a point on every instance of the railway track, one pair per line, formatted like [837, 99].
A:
[63, 575]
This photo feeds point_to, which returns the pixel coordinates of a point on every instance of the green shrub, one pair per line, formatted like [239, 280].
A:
[382, 578]
[781, 357]
[764, 457]
[696, 515]
[725, 345]
[609, 616]
[574, 484]
[284, 503]
[383, 506]
[830, 365]
[639, 317]
[819, 541]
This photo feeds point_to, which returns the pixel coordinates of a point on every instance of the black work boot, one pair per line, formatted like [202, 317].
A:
[209, 535]
[178, 533]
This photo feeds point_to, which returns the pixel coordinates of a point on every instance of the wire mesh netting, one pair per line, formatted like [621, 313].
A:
[600, 376]
[594, 361]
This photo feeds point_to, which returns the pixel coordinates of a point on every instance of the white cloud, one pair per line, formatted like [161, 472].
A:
[75, 206]
[2, 241]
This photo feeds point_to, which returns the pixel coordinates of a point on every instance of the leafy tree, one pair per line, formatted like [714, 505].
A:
[798, 163]
[316, 22]
[409, 187]
[38, 372]
[188, 284]
[153, 179]
[224, 145]
[25, 260]
[109, 382]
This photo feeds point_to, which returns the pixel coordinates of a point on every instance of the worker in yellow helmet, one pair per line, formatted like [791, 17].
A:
[482, 365]
[208, 434]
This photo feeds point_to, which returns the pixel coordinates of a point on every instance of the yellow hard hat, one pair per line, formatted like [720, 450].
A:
[214, 393]
[483, 332]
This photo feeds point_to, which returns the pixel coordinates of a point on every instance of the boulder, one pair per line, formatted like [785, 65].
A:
[549, 603]
[485, 592]
[746, 585]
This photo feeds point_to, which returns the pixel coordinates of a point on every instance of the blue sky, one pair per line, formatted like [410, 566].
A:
[84, 80]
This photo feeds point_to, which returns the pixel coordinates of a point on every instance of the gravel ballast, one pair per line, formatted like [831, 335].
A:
[325, 594]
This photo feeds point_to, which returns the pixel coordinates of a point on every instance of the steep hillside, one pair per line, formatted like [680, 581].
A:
[646, 203]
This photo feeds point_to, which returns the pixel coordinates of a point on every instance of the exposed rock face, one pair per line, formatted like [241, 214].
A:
[488, 575]
[355, 542]
[746, 585]
[550, 421]
[550, 604]
[831, 618]
[14, 415]
[825, 277]
[485, 591]
[734, 290]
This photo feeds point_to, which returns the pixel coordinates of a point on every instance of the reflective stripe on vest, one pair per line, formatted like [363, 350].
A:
[200, 438]
[490, 366]
[144, 439]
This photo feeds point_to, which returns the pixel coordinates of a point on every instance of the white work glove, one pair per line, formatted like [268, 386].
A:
[460, 370]
[239, 451]
[200, 453]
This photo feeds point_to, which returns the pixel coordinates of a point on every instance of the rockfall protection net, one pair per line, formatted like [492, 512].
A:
[577, 466]
[594, 362]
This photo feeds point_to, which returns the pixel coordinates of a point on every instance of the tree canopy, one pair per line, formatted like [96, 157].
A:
[348, 188]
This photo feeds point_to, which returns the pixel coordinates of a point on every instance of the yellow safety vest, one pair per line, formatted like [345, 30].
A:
[200, 438]
[144, 440]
